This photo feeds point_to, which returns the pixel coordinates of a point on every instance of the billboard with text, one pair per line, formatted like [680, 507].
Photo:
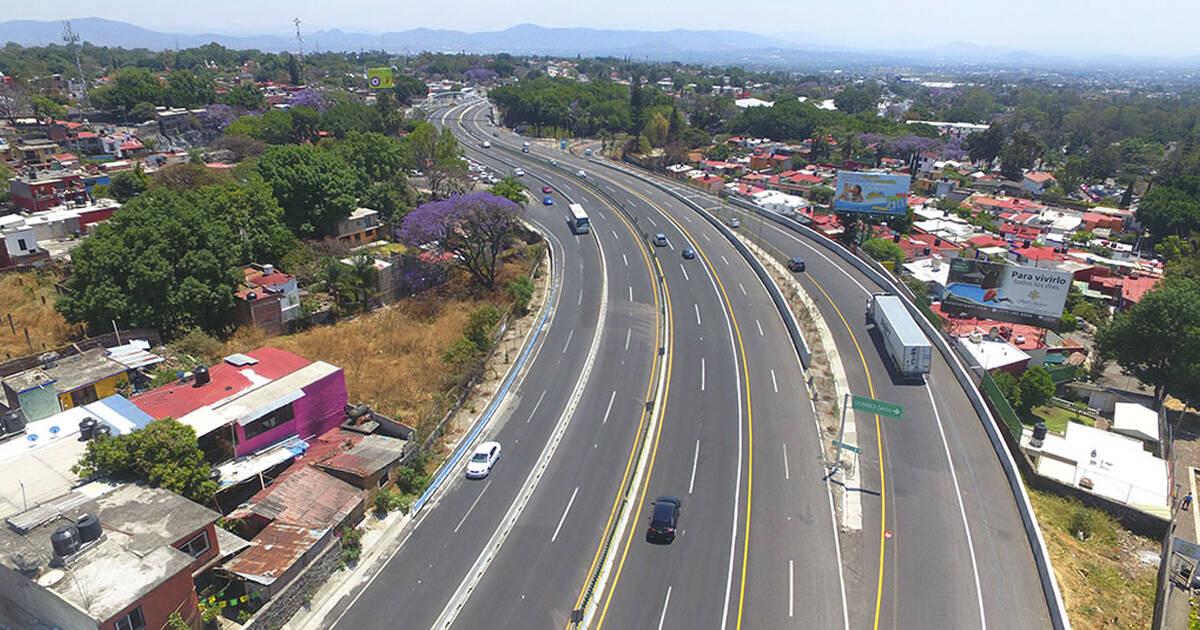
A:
[876, 193]
[1009, 293]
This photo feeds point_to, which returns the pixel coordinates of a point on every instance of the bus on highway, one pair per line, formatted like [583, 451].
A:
[578, 220]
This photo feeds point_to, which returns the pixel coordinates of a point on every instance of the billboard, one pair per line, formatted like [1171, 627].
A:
[380, 78]
[877, 193]
[1010, 293]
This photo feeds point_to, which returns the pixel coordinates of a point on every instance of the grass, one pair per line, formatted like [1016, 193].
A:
[28, 297]
[1056, 418]
[1104, 584]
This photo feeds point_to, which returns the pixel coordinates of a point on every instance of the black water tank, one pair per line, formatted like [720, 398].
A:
[65, 540]
[13, 421]
[102, 430]
[202, 377]
[89, 528]
[87, 427]
[1039, 431]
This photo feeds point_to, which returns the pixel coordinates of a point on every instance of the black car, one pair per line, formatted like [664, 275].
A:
[688, 253]
[664, 518]
[796, 264]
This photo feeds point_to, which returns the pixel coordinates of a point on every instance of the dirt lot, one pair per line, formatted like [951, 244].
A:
[28, 297]
[1106, 574]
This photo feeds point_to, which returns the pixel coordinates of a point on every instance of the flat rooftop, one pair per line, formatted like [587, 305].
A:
[132, 557]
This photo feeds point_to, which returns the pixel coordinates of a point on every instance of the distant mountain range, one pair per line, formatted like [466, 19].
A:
[703, 46]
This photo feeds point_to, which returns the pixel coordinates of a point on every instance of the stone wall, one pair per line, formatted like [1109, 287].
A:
[284, 605]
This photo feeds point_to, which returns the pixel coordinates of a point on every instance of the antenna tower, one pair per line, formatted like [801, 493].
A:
[71, 39]
[299, 48]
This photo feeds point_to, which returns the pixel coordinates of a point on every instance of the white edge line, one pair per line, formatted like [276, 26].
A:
[564, 515]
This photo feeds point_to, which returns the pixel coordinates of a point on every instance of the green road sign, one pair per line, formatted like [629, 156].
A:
[848, 447]
[880, 407]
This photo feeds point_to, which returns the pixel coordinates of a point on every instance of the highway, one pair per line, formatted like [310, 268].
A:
[738, 437]
[942, 544]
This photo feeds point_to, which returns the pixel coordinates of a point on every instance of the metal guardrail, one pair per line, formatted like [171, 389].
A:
[1054, 601]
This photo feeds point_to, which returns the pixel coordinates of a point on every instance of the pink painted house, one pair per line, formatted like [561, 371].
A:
[254, 400]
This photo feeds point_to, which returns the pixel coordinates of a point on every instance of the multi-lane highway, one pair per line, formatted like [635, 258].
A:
[690, 386]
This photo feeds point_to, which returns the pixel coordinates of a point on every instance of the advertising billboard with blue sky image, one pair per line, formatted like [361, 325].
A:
[875, 193]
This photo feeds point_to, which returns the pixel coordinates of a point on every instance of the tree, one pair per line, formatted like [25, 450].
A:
[243, 95]
[1020, 152]
[1009, 387]
[446, 164]
[883, 249]
[475, 228]
[408, 88]
[637, 105]
[1167, 210]
[856, 100]
[163, 454]
[314, 188]
[14, 102]
[1037, 388]
[241, 146]
[126, 185]
[141, 112]
[1070, 174]
[374, 157]
[129, 87]
[349, 116]
[657, 129]
[1103, 161]
[186, 89]
[185, 177]
[511, 189]
[170, 260]
[985, 146]
[293, 68]
[1158, 339]
[44, 107]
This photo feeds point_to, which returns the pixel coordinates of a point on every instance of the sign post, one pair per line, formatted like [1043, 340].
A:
[859, 403]
[878, 407]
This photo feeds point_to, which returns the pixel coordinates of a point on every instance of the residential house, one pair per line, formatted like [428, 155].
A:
[37, 190]
[780, 202]
[20, 241]
[708, 182]
[362, 226]
[1037, 182]
[106, 558]
[73, 381]
[1123, 290]
[36, 151]
[267, 298]
[251, 401]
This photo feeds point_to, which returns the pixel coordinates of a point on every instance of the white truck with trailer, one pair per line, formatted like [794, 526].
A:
[906, 345]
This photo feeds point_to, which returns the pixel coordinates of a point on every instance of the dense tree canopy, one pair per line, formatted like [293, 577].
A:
[163, 454]
[169, 260]
[581, 109]
[314, 187]
[475, 228]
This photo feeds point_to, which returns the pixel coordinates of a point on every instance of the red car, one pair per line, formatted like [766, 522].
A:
[547, 190]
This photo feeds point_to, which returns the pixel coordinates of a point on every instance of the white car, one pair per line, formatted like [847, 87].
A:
[486, 144]
[485, 456]
[581, 173]
[519, 172]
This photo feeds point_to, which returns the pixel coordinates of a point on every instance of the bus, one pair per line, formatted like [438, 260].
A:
[578, 220]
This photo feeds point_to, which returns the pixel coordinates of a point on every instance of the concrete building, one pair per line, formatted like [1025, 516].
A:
[362, 226]
[36, 190]
[123, 558]
[72, 381]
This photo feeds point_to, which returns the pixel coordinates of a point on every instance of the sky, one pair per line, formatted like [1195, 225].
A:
[1074, 27]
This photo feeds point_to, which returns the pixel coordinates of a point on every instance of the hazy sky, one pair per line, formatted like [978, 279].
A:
[1080, 27]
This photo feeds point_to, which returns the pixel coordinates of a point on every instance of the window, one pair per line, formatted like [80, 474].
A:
[21, 244]
[196, 546]
[269, 421]
[132, 621]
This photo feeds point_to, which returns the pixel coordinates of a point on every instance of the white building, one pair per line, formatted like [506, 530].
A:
[1136, 421]
[753, 102]
[779, 202]
[932, 271]
[19, 237]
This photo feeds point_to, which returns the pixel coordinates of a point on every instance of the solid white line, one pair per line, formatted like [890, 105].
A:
[695, 461]
[628, 334]
[631, 293]
[535, 407]
[791, 588]
[652, 222]
[725, 259]
[697, 313]
[623, 257]
[564, 516]
[706, 238]
[787, 470]
[702, 373]
[609, 409]
[760, 331]
[961, 510]
[685, 275]
[742, 288]
[774, 383]
[570, 335]
[667, 601]
[473, 504]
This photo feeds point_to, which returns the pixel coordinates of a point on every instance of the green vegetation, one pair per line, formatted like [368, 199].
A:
[884, 250]
[1056, 418]
[580, 109]
[163, 454]
[314, 188]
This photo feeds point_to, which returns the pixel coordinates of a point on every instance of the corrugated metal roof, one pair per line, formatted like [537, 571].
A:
[308, 498]
[372, 454]
[274, 551]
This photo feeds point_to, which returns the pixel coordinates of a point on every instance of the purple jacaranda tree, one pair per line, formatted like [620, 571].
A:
[480, 75]
[218, 116]
[907, 146]
[471, 230]
[953, 149]
[307, 98]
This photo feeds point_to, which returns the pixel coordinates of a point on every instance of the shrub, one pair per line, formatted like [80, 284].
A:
[1082, 523]
[351, 544]
[480, 326]
[883, 250]
[521, 292]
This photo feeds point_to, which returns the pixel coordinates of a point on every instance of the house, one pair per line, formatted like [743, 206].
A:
[367, 465]
[994, 354]
[20, 240]
[1036, 182]
[931, 271]
[1123, 290]
[267, 298]
[780, 202]
[72, 381]
[251, 401]
[105, 557]
[1104, 463]
[37, 190]
[710, 183]
[1135, 421]
[36, 151]
[362, 226]
[744, 103]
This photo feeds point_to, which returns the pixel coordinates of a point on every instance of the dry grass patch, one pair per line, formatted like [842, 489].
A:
[1105, 581]
[29, 298]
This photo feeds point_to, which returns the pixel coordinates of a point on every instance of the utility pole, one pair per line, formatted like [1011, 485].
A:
[71, 39]
[299, 48]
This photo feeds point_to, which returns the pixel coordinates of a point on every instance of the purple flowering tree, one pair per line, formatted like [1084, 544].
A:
[480, 75]
[908, 146]
[470, 230]
[308, 98]
[218, 116]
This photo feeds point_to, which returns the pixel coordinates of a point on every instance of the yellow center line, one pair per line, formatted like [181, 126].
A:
[879, 446]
